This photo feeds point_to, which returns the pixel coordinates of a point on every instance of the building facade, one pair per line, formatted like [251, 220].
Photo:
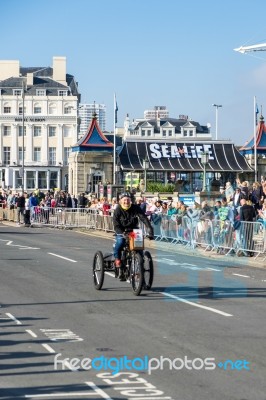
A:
[38, 125]
[86, 113]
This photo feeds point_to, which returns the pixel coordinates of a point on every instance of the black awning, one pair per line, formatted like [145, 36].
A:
[182, 156]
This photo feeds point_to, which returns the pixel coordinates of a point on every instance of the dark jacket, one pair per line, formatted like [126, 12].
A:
[247, 213]
[21, 202]
[128, 219]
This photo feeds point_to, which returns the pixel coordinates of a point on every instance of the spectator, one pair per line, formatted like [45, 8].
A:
[20, 207]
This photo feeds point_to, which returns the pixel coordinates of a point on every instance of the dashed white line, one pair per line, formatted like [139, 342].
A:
[64, 258]
[14, 318]
[31, 333]
[196, 304]
[48, 348]
[243, 276]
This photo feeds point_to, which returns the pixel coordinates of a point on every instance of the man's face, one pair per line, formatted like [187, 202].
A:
[125, 201]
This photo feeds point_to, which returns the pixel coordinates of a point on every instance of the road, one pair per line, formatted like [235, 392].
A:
[200, 330]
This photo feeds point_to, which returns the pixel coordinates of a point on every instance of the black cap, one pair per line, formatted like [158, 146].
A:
[125, 194]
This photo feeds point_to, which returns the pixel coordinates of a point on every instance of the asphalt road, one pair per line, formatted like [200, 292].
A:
[200, 330]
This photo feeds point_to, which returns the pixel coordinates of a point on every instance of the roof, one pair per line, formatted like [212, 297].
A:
[182, 156]
[248, 147]
[177, 123]
[42, 79]
[93, 140]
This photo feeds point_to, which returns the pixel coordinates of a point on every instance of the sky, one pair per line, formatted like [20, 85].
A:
[176, 53]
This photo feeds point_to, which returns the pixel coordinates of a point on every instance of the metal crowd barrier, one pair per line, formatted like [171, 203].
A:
[211, 235]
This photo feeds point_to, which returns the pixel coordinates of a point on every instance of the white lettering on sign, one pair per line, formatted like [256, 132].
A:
[180, 150]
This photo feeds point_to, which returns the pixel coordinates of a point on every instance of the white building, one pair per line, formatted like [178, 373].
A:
[157, 112]
[48, 98]
[86, 114]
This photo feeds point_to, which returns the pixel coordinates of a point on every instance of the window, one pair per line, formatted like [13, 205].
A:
[164, 133]
[7, 130]
[31, 179]
[68, 110]
[185, 133]
[37, 154]
[53, 179]
[67, 131]
[142, 132]
[20, 130]
[52, 131]
[40, 92]
[190, 133]
[20, 110]
[20, 155]
[7, 110]
[37, 131]
[66, 155]
[52, 156]
[52, 109]
[17, 92]
[37, 109]
[42, 179]
[170, 133]
[18, 180]
[148, 132]
[7, 155]
[62, 92]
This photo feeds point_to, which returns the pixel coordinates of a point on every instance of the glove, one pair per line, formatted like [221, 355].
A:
[150, 235]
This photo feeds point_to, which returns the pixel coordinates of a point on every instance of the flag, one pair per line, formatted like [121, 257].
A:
[116, 109]
[257, 112]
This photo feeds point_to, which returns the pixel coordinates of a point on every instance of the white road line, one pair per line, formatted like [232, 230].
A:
[110, 274]
[62, 394]
[64, 258]
[197, 305]
[48, 348]
[243, 276]
[31, 333]
[14, 318]
[99, 391]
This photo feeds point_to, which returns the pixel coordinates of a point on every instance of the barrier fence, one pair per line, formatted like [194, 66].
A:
[224, 237]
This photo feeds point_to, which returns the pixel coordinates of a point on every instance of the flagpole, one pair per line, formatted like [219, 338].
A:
[255, 139]
[114, 156]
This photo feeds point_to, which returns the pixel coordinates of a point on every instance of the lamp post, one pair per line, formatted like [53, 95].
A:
[146, 166]
[23, 127]
[204, 162]
[216, 123]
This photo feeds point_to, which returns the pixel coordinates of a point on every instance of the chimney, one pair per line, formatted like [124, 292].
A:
[59, 70]
[9, 68]
[29, 79]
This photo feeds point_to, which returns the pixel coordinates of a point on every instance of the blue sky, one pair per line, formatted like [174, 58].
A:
[175, 53]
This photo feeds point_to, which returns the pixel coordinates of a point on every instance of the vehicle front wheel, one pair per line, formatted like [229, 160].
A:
[136, 273]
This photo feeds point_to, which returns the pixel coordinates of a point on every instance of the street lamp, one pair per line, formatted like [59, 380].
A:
[204, 162]
[146, 166]
[23, 127]
[216, 127]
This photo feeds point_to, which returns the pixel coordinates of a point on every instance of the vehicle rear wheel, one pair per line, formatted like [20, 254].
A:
[148, 271]
[98, 270]
[136, 274]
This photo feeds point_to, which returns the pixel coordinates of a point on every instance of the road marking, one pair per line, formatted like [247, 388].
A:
[196, 304]
[243, 276]
[61, 335]
[14, 318]
[193, 267]
[110, 274]
[21, 247]
[64, 258]
[99, 391]
[48, 348]
[31, 333]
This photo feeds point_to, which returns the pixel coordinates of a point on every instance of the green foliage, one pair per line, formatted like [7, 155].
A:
[160, 187]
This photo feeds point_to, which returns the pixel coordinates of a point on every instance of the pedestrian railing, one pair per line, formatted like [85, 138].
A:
[223, 237]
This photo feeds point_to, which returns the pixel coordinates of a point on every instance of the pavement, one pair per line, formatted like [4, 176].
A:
[259, 261]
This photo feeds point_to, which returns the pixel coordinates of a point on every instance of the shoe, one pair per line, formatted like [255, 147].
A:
[117, 263]
[122, 277]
